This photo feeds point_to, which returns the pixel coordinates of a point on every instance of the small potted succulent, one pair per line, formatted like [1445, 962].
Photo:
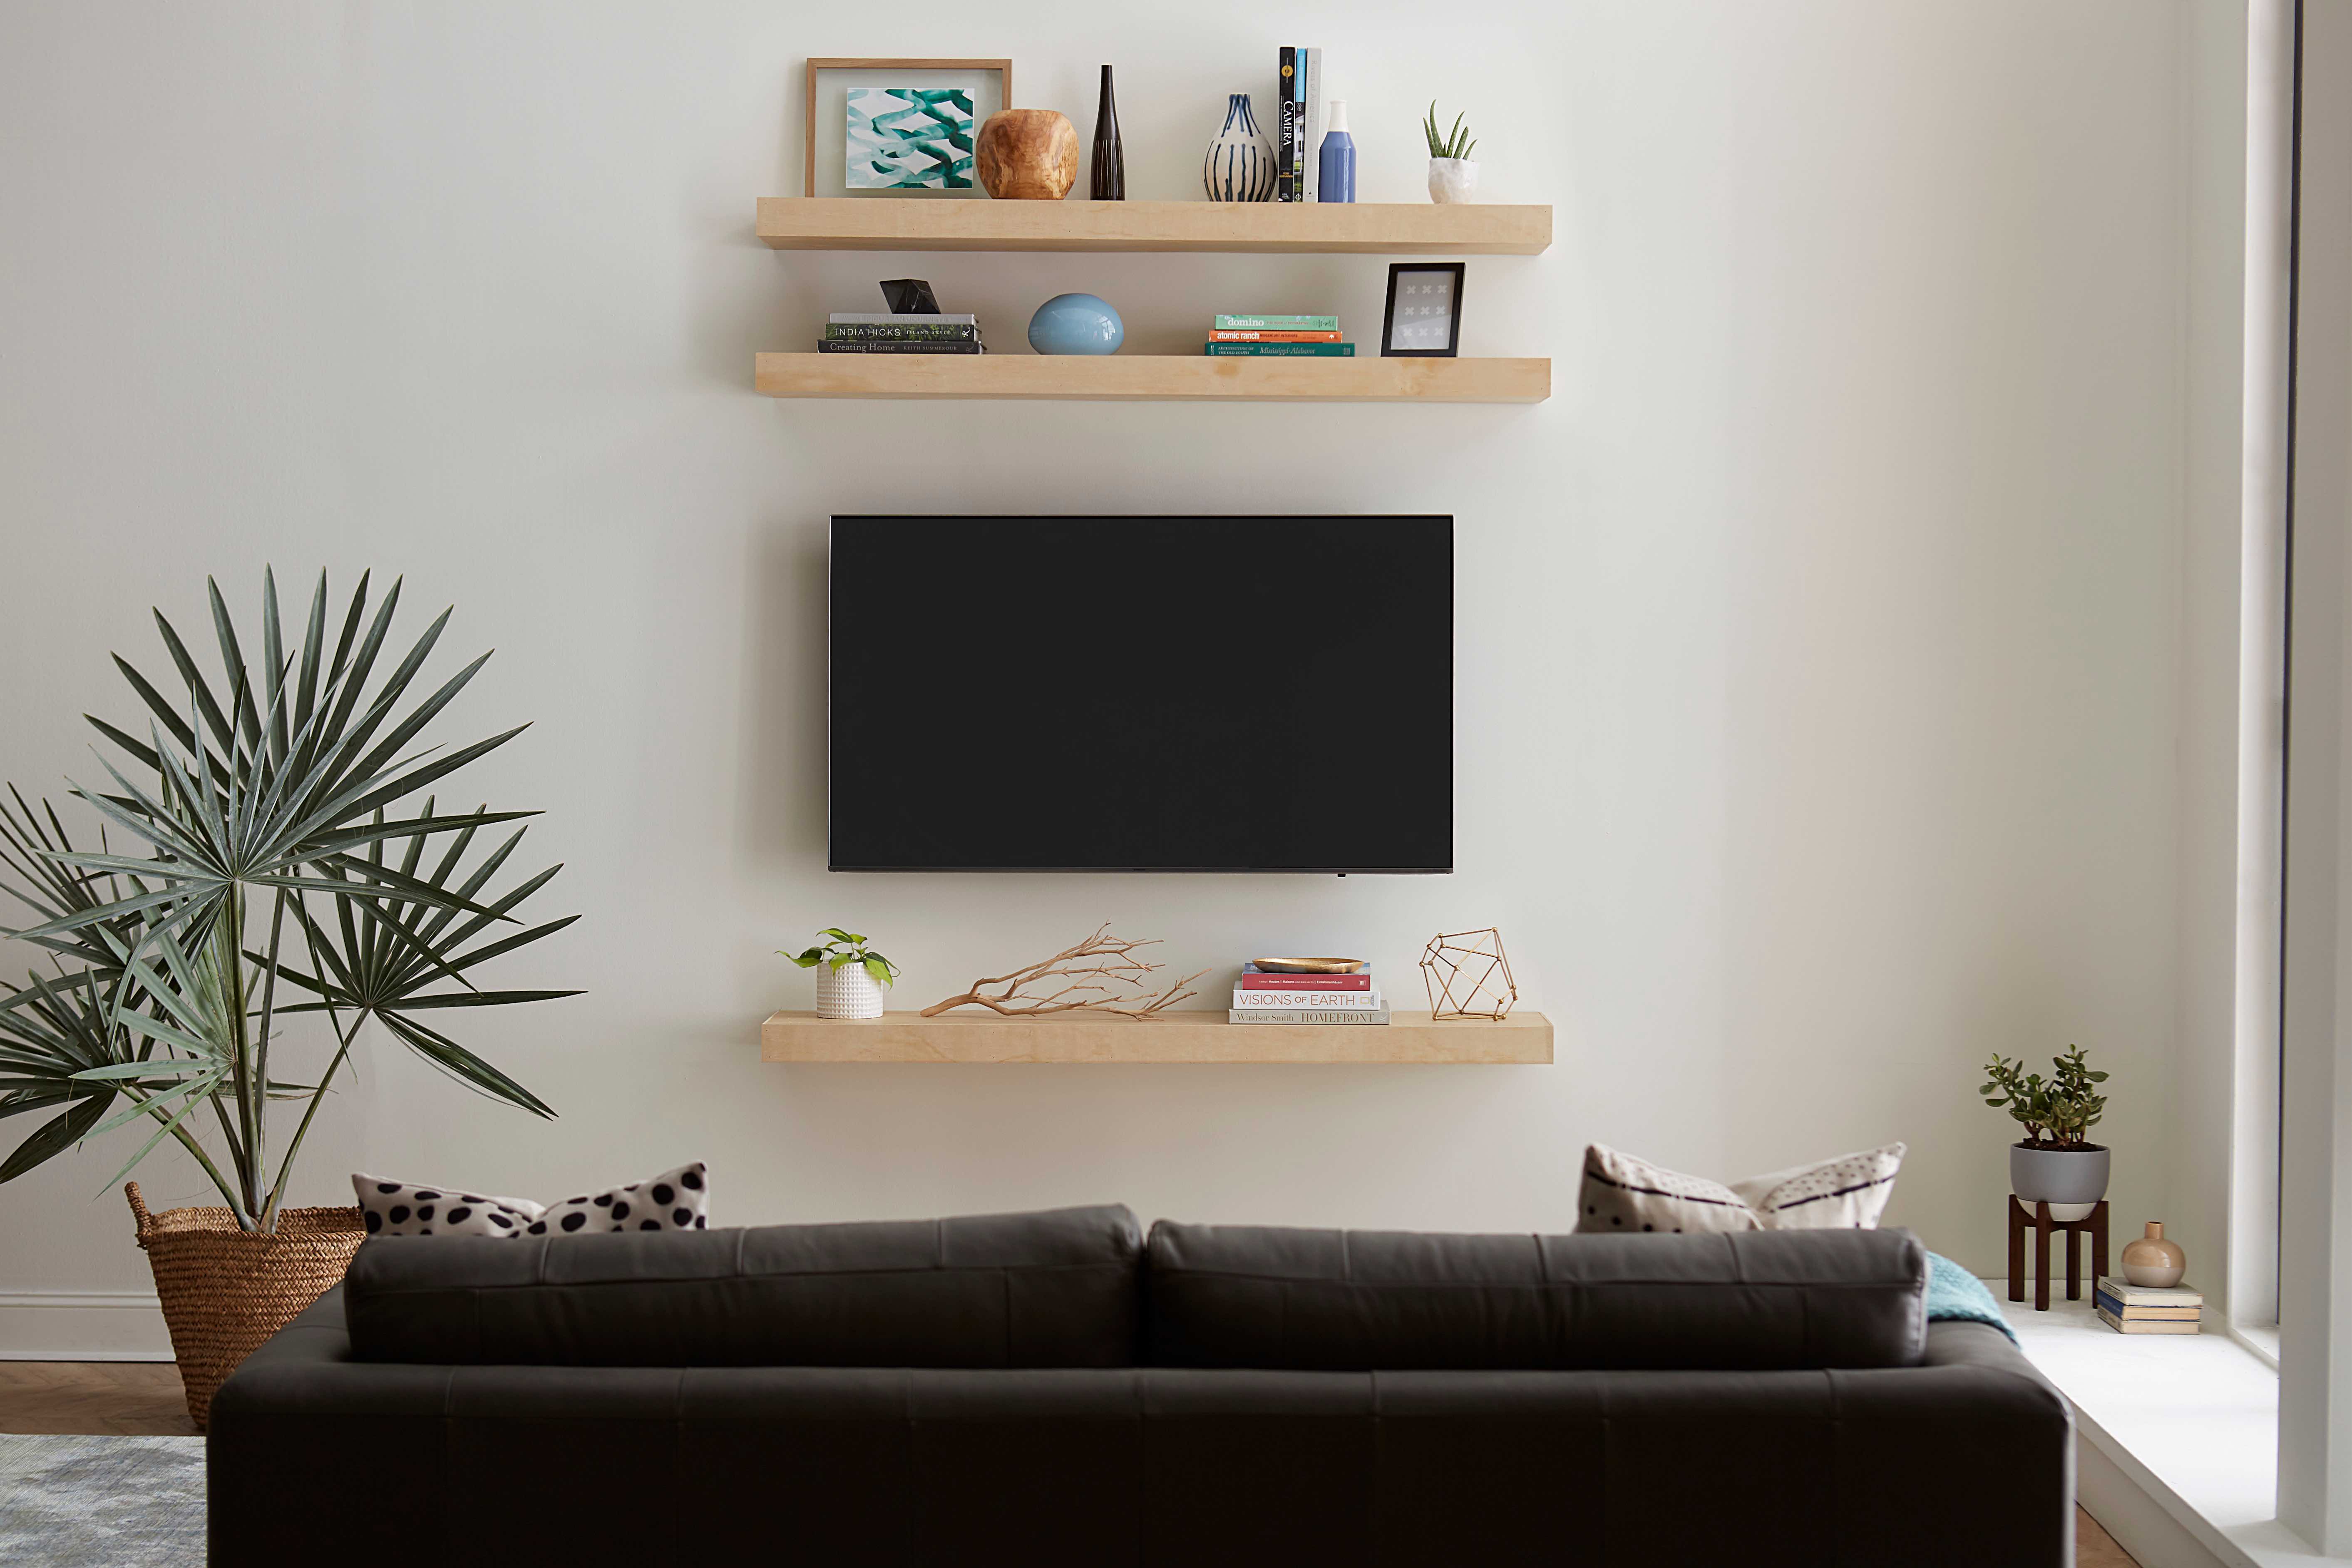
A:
[849, 975]
[2055, 1162]
[1452, 174]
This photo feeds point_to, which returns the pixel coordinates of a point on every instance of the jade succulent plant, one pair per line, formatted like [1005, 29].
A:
[2057, 1112]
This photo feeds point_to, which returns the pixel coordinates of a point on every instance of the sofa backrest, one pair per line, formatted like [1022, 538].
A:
[1057, 1289]
[1250, 1296]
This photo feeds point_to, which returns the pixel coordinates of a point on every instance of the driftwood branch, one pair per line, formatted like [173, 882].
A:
[1100, 975]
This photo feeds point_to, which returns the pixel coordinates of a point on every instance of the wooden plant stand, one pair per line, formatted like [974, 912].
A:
[2037, 1220]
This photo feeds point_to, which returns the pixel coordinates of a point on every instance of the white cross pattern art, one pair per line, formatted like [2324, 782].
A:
[1423, 318]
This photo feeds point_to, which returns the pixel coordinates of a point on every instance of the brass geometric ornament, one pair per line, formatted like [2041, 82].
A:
[1467, 975]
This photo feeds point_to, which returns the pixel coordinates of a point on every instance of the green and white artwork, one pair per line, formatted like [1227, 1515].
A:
[909, 139]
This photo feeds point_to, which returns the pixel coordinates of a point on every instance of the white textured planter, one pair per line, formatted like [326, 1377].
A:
[2071, 1181]
[1453, 180]
[848, 992]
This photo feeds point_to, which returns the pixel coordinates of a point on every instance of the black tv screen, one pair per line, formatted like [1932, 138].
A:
[1143, 694]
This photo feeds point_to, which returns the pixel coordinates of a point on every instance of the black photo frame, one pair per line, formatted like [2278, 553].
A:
[1414, 336]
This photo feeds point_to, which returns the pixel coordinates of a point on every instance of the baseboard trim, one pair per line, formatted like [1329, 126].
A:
[82, 1325]
[2127, 1509]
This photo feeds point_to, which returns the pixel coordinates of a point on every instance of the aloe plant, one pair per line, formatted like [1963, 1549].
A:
[1454, 143]
[284, 864]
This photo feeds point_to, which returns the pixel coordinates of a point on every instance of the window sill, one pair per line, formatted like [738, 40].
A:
[2176, 1436]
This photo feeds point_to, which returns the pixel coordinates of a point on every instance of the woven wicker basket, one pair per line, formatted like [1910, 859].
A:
[225, 1290]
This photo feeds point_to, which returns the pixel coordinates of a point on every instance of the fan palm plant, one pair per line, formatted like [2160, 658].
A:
[285, 860]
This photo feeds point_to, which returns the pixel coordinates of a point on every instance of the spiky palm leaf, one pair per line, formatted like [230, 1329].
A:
[271, 793]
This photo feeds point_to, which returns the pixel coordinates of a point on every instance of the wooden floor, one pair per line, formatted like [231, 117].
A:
[127, 1398]
[136, 1397]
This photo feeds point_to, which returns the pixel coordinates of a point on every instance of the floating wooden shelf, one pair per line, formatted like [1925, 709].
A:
[980, 1037]
[870, 223]
[1139, 378]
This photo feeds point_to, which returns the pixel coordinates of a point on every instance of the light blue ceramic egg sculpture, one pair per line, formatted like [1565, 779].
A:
[1076, 324]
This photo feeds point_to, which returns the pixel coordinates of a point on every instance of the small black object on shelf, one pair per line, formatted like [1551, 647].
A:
[1109, 181]
[1424, 319]
[910, 296]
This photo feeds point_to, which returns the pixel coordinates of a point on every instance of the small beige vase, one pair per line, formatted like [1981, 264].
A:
[2153, 1262]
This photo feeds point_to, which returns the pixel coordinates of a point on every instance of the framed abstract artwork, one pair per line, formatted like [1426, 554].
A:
[898, 127]
[1424, 319]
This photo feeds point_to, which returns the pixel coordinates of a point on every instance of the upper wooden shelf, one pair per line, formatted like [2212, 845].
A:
[982, 1037]
[1412, 228]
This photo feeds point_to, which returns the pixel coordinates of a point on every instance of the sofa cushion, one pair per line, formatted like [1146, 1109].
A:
[1236, 1296]
[1054, 1288]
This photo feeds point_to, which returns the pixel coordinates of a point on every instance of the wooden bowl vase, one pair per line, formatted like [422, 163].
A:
[1027, 155]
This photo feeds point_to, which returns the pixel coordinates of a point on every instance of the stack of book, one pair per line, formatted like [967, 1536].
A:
[1298, 124]
[1279, 337]
[2127, 1308]
[889, 332]
[1262, 997]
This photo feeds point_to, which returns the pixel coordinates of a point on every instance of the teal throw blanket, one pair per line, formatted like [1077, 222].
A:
[1956, 1295]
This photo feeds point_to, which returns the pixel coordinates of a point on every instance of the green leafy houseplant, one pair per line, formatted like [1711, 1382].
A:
[284, 864]
[842, 948]
[2056, 1114]
[1454, 143]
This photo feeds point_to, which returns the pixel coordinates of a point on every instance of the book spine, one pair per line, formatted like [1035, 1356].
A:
[2147, 1295]
[1271, 335]
[1257, 981]
[1285, 145]
[1275, 323]
[900, 318]
[2143, 1326]
[1281, 350]
[878, 333]
[1355, 1000]
[835, 346]
[1310, 146]
[1308, 1015]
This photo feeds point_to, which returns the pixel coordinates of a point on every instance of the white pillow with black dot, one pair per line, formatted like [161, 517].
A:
[1623, 1194]
[414, 1208]
[674, 1200]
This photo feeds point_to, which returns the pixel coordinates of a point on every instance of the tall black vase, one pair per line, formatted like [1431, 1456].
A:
[1110, 182]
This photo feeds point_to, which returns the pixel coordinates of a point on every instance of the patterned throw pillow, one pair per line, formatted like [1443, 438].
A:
[674, 1201]
[1622, 1194]
[410, 1208]
[1848, 1193]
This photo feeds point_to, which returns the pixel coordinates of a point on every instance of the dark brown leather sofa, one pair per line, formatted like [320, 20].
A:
[1056, 1389]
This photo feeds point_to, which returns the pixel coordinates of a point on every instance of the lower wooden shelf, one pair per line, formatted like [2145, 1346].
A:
[1523, 1037]
[1145, 378]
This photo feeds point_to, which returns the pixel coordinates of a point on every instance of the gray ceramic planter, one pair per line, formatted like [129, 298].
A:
[2071, 1181]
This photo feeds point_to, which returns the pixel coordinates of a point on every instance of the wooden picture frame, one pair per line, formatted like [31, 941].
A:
[1399, 271]
[1004, 69]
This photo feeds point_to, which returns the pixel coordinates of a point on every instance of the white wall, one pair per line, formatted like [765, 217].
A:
[1821, 713]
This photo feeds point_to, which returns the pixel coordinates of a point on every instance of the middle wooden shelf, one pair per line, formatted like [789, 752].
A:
[1143, 378]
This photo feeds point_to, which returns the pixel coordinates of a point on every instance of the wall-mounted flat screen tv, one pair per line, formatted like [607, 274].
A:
[1143, 694]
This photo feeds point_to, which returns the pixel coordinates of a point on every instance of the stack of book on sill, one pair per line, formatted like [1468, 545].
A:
[2127, 1308]
[886, 332]
[1261, 997]
[1278, 338]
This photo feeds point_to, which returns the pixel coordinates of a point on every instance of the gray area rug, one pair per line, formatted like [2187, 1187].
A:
[102, 1503]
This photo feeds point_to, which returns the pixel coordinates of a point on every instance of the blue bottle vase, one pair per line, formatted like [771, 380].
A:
[1335, 171]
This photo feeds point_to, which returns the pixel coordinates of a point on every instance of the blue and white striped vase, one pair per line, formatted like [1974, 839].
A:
[1240, 165]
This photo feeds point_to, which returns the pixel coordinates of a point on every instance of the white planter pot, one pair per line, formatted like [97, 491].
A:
[2071, 1181]
[1453, 180]
[848, 992]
